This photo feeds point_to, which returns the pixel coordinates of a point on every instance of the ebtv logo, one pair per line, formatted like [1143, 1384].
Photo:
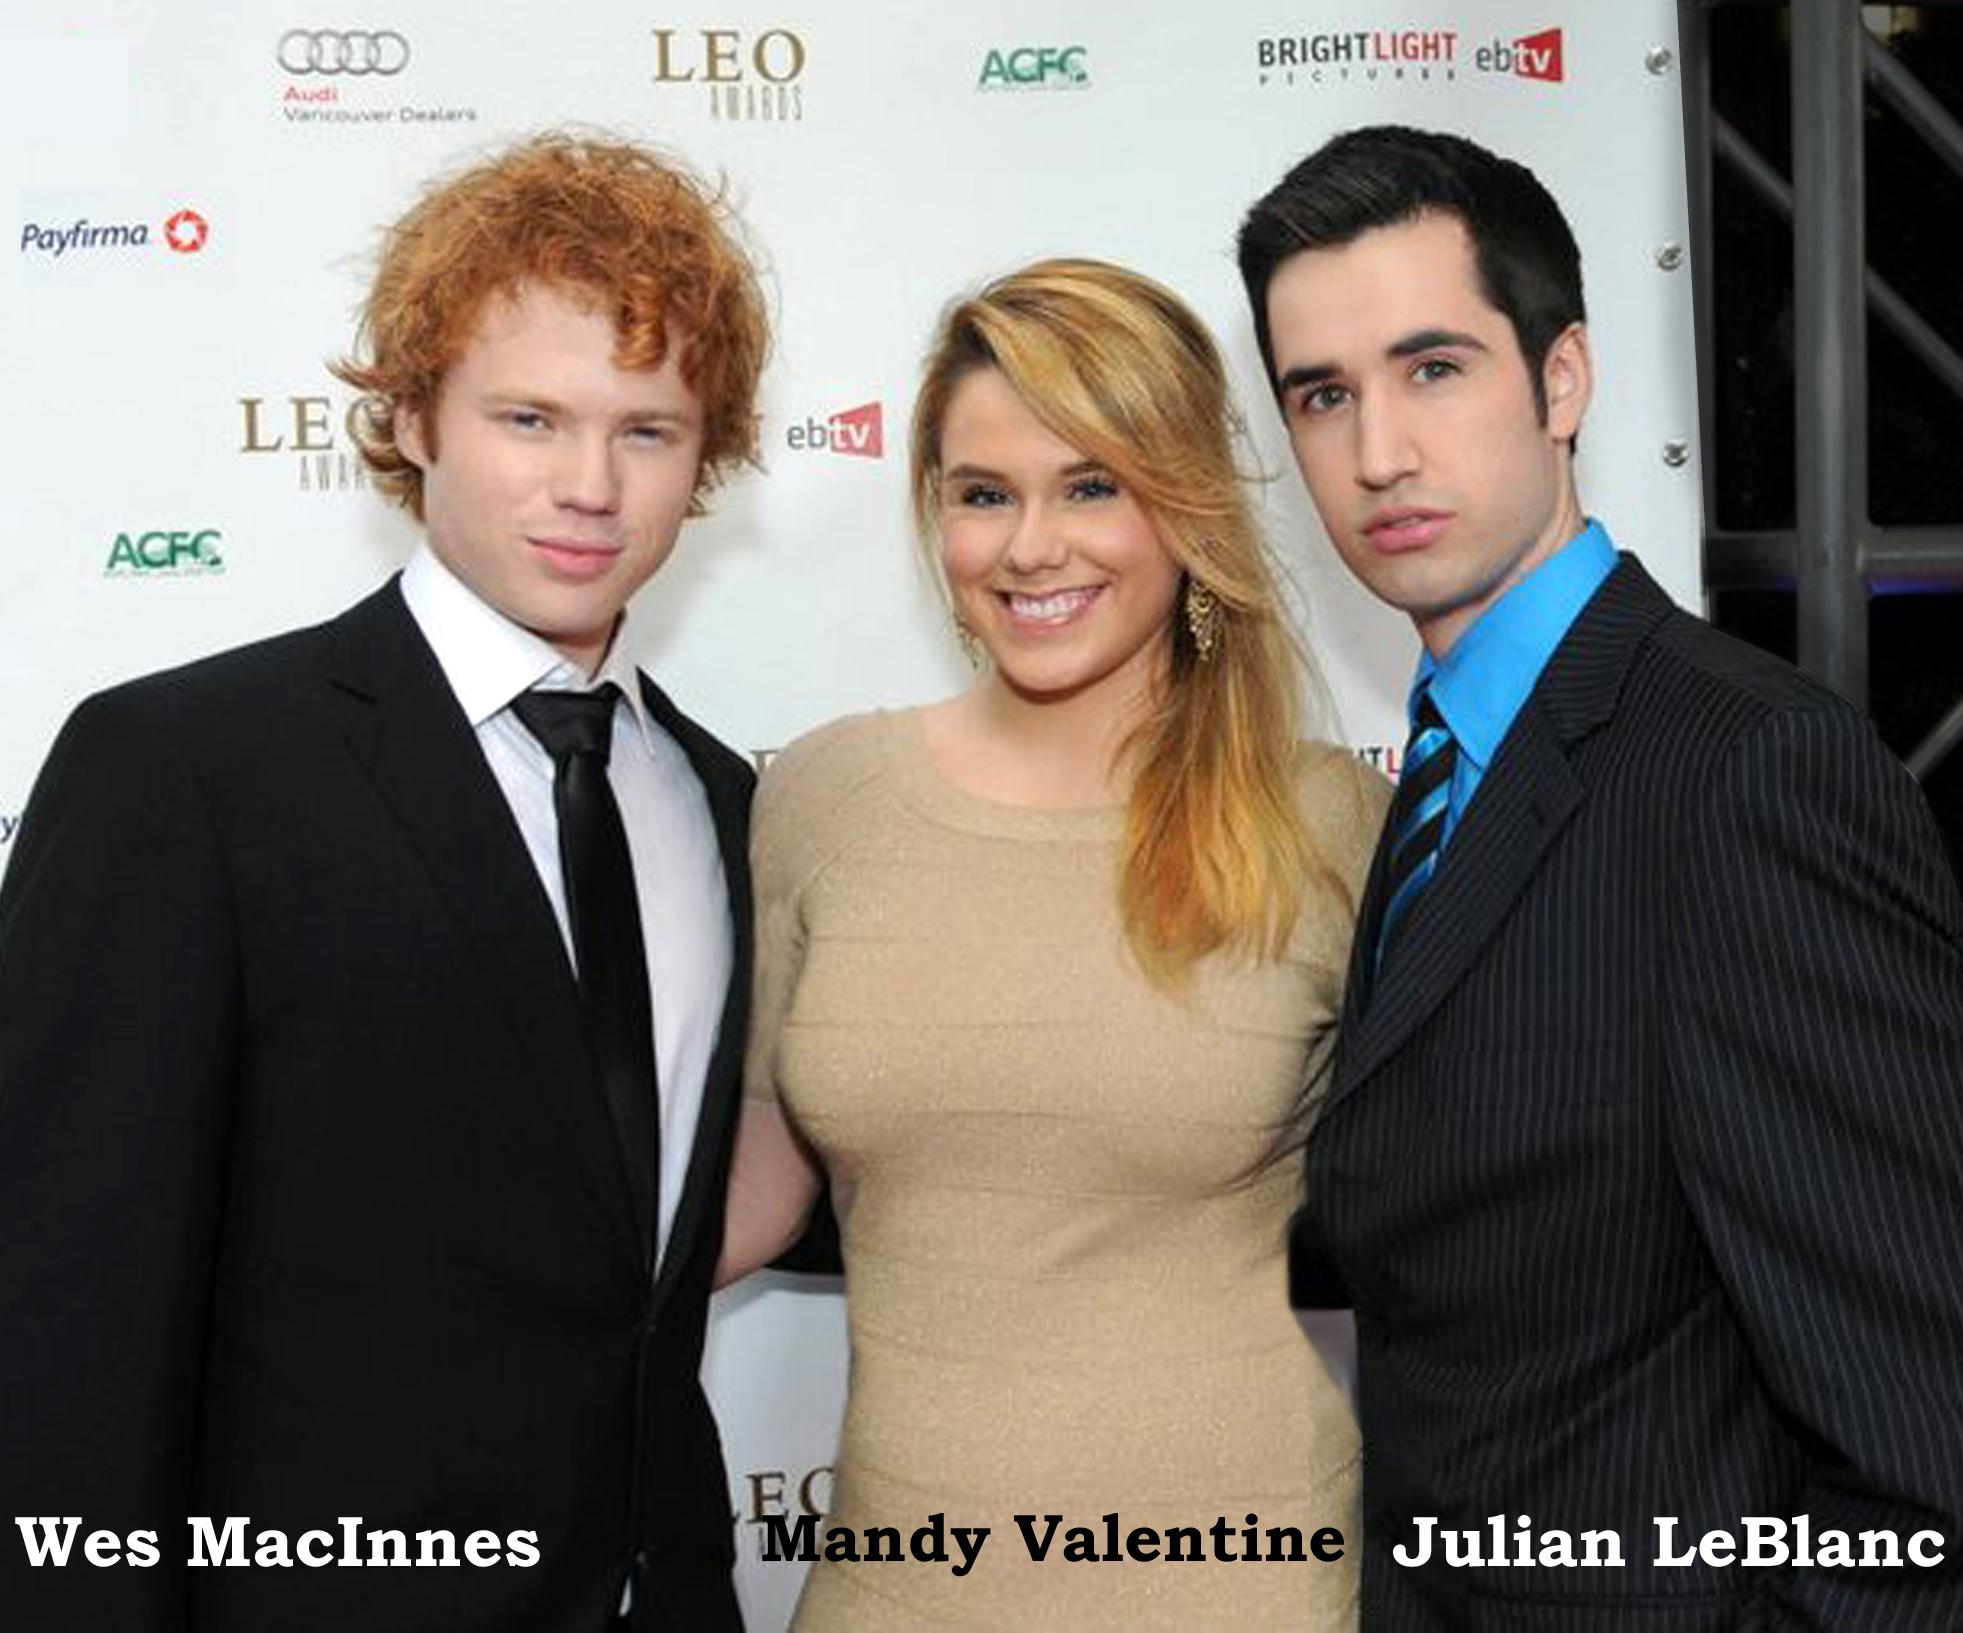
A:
[858, 432]
[1532, 56]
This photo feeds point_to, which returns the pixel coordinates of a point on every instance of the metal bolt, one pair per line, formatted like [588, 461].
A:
[1658, 59]
[1676, 453]
[1670, 256]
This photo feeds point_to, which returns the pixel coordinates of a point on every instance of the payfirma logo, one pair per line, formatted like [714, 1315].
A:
[859, 432]
[174, 552]
[1532, 56]
[184, 231]
[1035, 68]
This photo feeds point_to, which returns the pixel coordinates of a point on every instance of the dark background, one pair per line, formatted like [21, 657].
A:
[1915, 446]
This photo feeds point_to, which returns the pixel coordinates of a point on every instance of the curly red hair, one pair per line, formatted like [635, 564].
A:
[651, 246]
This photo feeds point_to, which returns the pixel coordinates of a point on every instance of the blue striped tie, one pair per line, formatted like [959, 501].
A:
[1417, 818]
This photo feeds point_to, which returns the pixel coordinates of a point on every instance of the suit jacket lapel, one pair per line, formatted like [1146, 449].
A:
[729, 808]
[416, 745]
[1524, 800]
[1528, 795]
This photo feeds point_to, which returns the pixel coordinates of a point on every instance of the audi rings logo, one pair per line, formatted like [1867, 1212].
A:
[342, 51]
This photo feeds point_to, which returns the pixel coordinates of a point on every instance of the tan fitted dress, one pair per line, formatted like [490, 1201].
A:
[1063, 1195]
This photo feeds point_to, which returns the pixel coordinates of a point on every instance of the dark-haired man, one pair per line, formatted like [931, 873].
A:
[371, 1002]
[1643, 1164]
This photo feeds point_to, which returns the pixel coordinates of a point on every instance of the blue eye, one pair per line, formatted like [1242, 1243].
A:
[1435, 368]
[1099, 486]
[980, 495]
[525, 419]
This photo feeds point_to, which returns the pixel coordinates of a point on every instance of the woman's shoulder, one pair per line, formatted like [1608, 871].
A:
[814, 788]
[839, 750]
[1343, 801]
[1332, 780]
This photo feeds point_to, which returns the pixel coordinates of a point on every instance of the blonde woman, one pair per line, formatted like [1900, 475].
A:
[1047, 975]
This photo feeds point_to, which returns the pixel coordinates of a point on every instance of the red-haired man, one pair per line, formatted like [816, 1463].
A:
[371, 1001]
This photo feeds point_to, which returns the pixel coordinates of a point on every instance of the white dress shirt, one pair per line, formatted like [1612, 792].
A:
[678, 876]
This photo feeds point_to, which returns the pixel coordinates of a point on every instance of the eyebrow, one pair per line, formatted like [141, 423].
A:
[969, 473]
[1411, 345]
[645, 415]
[1434, 340]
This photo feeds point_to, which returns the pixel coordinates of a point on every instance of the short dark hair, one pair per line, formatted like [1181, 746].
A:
[1387, 175]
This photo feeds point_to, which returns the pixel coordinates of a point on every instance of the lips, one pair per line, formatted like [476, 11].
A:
[1408, 527]
[575, 558]
[1053, 609]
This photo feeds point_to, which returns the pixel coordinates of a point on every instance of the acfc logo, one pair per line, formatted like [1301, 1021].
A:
[1035, 68]
[176, 551]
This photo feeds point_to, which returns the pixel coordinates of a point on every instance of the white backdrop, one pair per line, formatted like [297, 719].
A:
[194, 220]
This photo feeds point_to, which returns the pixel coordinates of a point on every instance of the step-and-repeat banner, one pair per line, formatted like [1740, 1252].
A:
[196, 188]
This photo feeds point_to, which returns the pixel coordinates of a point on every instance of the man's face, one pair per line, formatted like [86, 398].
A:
[1413, 418]
[555, 481]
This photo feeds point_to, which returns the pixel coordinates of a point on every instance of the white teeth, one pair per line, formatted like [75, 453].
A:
[1059, 605]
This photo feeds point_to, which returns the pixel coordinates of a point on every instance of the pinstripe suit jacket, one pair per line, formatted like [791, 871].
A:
[1643, 1165]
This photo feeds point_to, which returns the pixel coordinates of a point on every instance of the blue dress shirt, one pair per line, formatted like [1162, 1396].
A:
[1480, 684]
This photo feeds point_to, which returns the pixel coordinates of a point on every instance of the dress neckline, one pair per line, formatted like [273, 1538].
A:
[929, 790]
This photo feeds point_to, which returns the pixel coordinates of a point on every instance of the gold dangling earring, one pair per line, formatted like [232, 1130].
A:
[971, 647]
[1202, 618]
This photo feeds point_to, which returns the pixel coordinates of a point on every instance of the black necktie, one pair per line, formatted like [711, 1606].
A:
[1417, 818]
[576, 729]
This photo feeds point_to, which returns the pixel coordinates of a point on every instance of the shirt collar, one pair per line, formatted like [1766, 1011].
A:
[489, 660]
[1481, 683]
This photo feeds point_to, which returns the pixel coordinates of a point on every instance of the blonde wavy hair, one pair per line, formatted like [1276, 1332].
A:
[1216, 854]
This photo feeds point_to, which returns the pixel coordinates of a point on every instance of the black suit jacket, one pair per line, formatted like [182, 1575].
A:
[1643, 1165]
[310, 1205]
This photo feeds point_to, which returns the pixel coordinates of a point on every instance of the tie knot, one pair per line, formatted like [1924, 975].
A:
[570, 723]
[1429, 735]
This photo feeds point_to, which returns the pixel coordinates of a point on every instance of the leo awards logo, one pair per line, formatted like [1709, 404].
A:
[747, 78]
[773, 1496]
[183, 232]
[308, 433]
[858, 433]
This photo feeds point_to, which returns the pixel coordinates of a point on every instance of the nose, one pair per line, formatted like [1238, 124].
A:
[585, 477]
[1385, 452]
[1040, 540]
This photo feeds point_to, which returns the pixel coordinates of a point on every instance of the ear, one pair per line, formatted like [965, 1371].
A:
[1568, 380]
[411, 436]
